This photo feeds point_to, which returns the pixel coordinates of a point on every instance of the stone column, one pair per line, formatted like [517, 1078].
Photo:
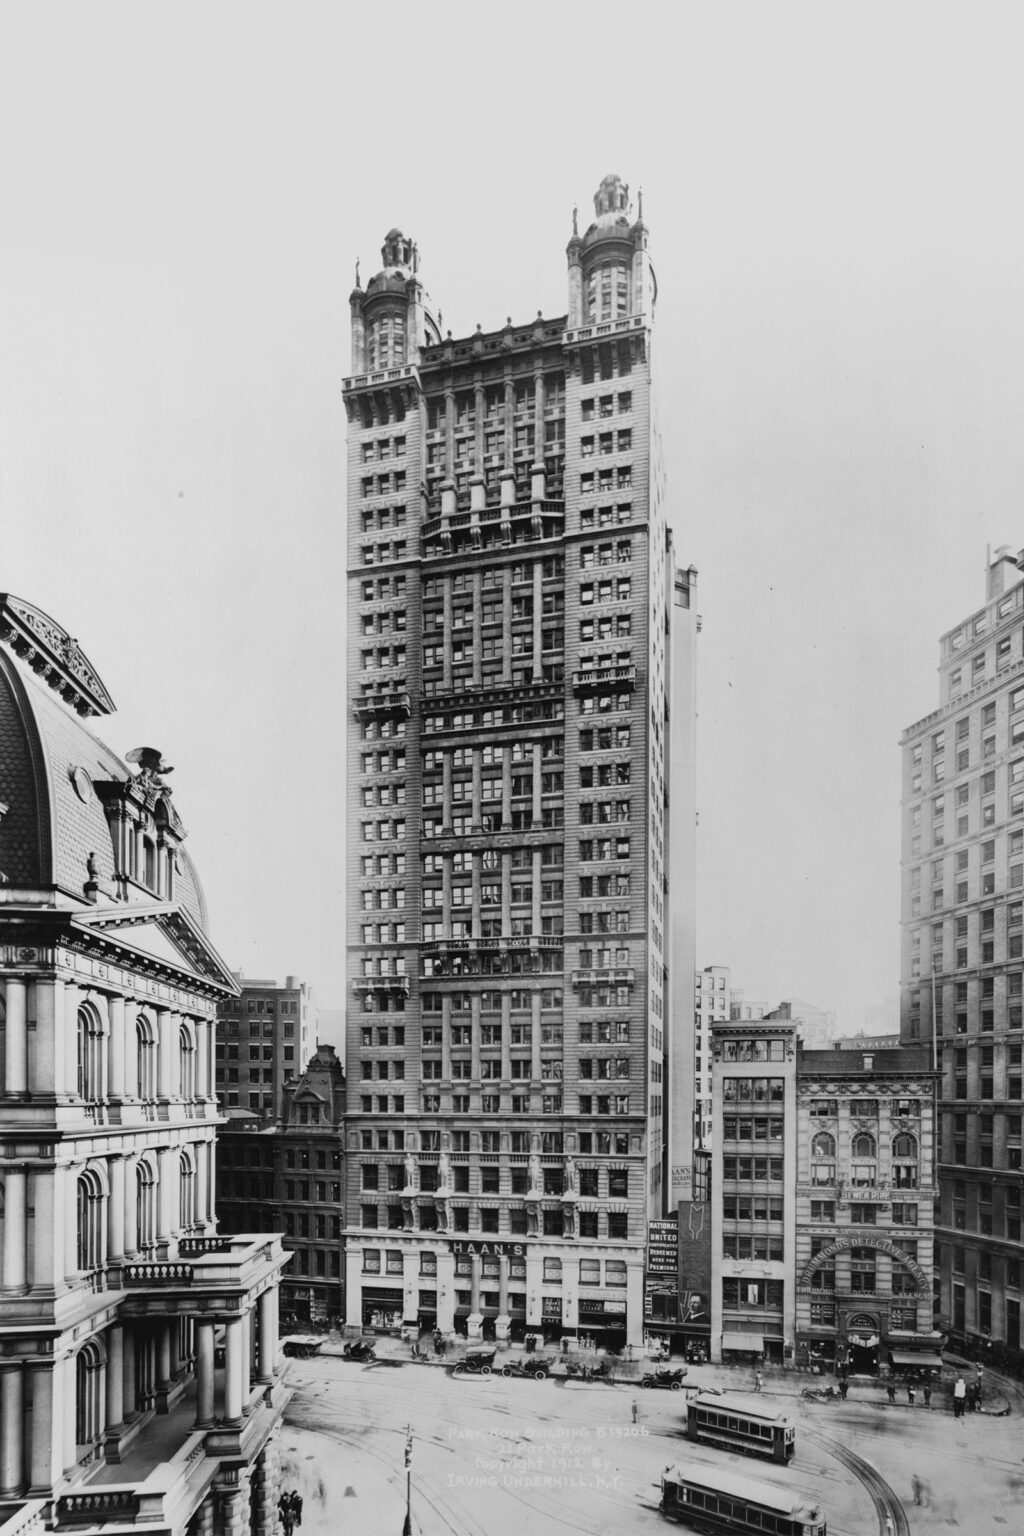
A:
[353, 1284]
[167, 1187]
[163, 1365]
[70, 1182]
[45, 1235]
[474, 1283]
[503, 1284]
[534, 1287]
[445, 1282]
[115, 1211]
[16, 1064]
[45, 1465]
[635, 1304]
[115, 1377]
[205, 1401]
[266, 1338]
[46, 1073]
[117, 1047]
[165, 1052]
[131, 1207]
[69, 1401]
[12, 1429]
[130, 1407]
[233, 1362]
[13, 1274]
[245, 1330]
[538, 604]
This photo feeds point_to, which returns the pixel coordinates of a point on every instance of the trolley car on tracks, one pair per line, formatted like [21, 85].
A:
[736, 1425]
[722, 1501]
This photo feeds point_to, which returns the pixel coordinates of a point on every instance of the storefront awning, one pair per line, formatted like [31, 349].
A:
[749, 1343]
[916, 1357]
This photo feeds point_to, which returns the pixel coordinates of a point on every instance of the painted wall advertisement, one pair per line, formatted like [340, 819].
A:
[695, 1264]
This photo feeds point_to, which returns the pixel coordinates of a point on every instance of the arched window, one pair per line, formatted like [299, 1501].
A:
[904, 1161]
[91, 1038]
[145, 1187]
[186, 1191]
[90, 1417]
[145, 1032]
[823, 1145]
[92, 1223]
[864, 1169]
[186, 1063]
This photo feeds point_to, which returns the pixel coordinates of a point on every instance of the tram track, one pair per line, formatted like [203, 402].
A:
[883, 1496]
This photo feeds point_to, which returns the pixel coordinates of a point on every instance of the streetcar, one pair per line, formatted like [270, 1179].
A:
[712, 1500]
[737, 1425]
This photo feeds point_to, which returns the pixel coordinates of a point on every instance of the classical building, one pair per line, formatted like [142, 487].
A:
[822, 1192]
[962, 969]
[865, 1208]
[521, 659]
[115, 1291]
[288, 1177]
[264, 1036]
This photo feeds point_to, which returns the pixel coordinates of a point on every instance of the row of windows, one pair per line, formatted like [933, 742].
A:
[611, 1225]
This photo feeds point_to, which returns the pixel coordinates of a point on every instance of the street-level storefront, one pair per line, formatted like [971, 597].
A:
[382, 1308]
[494, 1288]
[863, 1342]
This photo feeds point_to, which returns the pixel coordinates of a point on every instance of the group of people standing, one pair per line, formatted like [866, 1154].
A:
[289, 1509]
[967, 1396]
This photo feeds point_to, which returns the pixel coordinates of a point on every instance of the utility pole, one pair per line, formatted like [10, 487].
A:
[407, 1526]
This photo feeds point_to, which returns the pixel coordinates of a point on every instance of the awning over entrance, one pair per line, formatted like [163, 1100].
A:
[750, 1343]
[916, 1357]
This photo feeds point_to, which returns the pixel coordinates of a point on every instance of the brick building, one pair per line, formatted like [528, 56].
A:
[264, 1037]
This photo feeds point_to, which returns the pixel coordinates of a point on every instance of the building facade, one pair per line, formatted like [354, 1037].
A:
[711, 1005]
[865, 1208]
[822, 1201]
[962, 966]
[516, 617]
[264, 1038]
[289, 1178]
[115, 1291]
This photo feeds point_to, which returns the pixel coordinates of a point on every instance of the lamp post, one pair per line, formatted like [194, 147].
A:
[407, 1524]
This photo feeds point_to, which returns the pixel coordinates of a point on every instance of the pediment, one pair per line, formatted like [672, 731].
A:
[162, 934]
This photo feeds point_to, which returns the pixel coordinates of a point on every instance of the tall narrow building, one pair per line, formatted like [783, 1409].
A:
[514, 614]
[962, 969]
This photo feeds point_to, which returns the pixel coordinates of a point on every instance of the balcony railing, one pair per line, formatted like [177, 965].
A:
[382, 703]
[493, 945]
[157, 1274]
[381, 984]
[615, 975]
[100, 1506]
[592, 679]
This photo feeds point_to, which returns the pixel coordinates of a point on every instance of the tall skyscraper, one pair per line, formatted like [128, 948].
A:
[963, 949]
[264, 1039]
[515, 616]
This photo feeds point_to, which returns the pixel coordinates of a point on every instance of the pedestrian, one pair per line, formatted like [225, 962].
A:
[297, 1506]
[890, 1389]
[977, 1385]
[918, 1488]
[911, 1393]
[758, 1381]
[959, 1396]
[927, 1394]
[844, 1387]
[974, 1397]
[636, 1410]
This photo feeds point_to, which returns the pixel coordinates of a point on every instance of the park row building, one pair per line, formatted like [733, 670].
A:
[521, 661]
[116, 1295]
[822, 1196]
[962, 967]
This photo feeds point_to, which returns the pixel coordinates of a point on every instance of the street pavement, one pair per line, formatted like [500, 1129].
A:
[497, 1457]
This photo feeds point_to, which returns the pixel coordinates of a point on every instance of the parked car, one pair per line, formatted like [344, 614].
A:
[476, 1362]
[528, 1365]
[672, 1380]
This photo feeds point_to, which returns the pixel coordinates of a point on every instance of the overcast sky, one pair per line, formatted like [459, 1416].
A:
[834, 194]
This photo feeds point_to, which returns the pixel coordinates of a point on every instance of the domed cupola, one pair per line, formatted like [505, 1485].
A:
[391, 317]
[609, 269]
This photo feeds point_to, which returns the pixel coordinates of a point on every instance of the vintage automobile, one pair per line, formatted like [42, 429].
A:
[359, 1349]
[534, 1366]
[671, 1380]
[476, 1362]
